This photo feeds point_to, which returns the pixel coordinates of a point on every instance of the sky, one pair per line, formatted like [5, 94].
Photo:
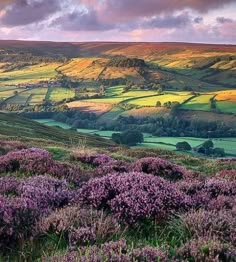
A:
[201, 21]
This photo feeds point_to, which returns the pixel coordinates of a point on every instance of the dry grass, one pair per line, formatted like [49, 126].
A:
[229, 95]
[97, 108]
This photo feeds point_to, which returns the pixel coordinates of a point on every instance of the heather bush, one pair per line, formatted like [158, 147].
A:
[7, 146]
[229, 175]
[8, 185]
[133, 196]
[47, 192]
[213, 224]
[205, 249]
[159, 167]
[37, 161]
[206, 193]
[113, 252]
[74, 222]
[18, 217]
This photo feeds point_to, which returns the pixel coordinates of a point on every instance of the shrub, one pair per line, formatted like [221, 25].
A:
[205, 249]
[159, 167]
[18, 217]
[219, 224]
[113, 251]
[227, 174]
[71, 219]
[8, 185]
[37, 161]
[46, 192]
[133, 196]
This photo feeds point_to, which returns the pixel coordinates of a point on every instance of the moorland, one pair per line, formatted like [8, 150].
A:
[72, 185]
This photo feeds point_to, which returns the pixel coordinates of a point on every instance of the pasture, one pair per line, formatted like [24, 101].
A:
[201, 103]
[30, 74]
[152, 100]
[57, 94]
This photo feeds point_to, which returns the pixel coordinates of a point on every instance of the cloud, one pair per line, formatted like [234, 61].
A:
[198, 20]
[168, 21]
[124, 10]
[81, 21]
[24, 12]
[222, 20]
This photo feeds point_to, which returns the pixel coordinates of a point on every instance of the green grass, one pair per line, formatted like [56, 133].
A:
[201, 103]
[115, 95]
[51, 122]
[57, 94]
[151, 101]
[226, 106]
[30, 74]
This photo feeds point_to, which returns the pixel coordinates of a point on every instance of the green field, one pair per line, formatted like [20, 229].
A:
[151, 101]
[30, 74]
[57, 94]
[226, 106]
[201, 103]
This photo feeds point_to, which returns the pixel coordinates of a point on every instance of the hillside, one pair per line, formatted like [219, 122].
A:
[16, 126]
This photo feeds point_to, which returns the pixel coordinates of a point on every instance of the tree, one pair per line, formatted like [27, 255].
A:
[129, 137]
[219, 152]
[102, 90]
[183, 146]
[158, 104]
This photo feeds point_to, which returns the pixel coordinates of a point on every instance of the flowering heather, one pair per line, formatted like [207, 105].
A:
[37, 161]
[227, 174]
[81, 236]
[8, 185]
[220, 224]
[46, 192]
[17, 219]
[73, 218]
[206, 193]
[206, 249]
[159, 167]
[133, 196]
[7, 146]
[112, 251]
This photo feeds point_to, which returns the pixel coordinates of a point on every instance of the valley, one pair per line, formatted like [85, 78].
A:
[190, 83]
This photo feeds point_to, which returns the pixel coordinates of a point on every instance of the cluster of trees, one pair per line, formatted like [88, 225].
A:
[208, 149]
[159, 126]
[129, 137]
[126, 62]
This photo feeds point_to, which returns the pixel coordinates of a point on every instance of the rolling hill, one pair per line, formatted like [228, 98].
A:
[16, 126]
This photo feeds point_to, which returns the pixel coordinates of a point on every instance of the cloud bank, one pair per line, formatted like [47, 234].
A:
[123, 20]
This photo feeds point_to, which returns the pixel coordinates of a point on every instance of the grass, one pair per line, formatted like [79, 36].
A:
[51, 122]
[151, 101]
[201, 103]
[30, 74]
[57, 94]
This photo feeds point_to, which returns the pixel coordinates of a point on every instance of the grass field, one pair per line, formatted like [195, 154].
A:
[201, 103]
[30, 74]
[57, 94]
[151, 101]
